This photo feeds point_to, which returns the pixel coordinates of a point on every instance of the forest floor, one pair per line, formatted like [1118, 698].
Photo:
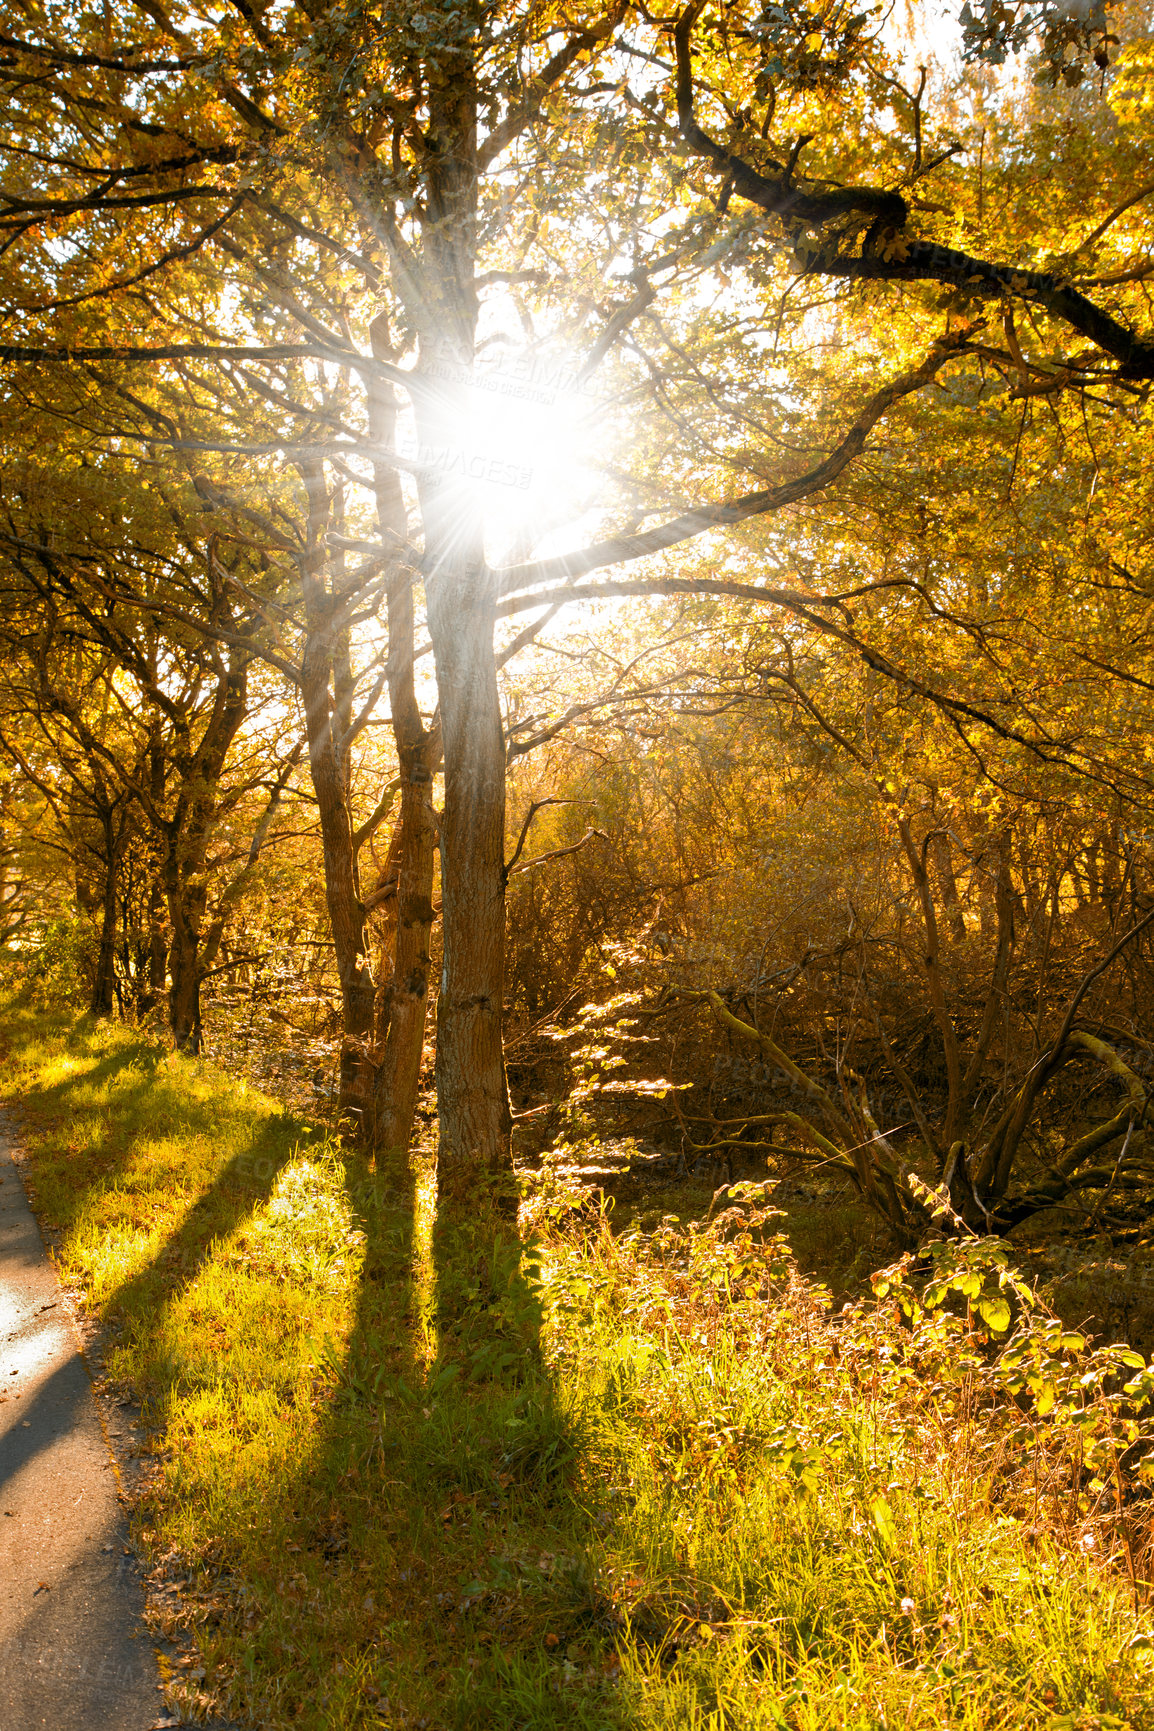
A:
[607, 1478]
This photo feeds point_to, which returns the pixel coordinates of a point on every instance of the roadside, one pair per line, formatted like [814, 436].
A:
[74, 1651]
[625, 1481]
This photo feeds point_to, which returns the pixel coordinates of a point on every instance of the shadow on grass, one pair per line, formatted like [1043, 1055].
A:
[380, 1510]
[89, 1124]
[237, 1192]
[129, 1123]
[371, 1468]
[439, 1514]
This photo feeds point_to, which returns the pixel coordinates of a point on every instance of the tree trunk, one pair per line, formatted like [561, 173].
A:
[346, 912]
[951, 900]
[326, 759]
[157, 944]
[932, 957]
[186, 842]
[403, 1003]
[104, 983]
[474, 1156]
[186, 905]
[472, 1099]
[184, 997]
[405, 1000]
[157, 949]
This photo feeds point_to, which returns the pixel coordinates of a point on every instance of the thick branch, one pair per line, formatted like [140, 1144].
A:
[776, 192]
[622, 549]
[886, 254]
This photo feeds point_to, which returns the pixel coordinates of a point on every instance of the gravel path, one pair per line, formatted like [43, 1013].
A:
[74, 1652]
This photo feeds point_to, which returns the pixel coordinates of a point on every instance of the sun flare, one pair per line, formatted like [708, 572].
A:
[522, 454]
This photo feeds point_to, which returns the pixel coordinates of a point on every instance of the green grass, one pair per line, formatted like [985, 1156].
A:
[635, 1480]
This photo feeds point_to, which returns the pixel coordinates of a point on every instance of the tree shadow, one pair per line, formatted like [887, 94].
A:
[440, 1496]
[55, 1408]
[88, 1124]
[241, 1187]
[398, 1534]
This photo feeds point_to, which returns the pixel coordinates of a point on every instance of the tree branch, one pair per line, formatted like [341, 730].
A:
[886, 254]
[622, 549]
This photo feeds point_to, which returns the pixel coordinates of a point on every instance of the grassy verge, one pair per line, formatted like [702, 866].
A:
[645, 1480]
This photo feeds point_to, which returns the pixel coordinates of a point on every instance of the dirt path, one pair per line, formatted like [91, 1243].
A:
[74, 1653]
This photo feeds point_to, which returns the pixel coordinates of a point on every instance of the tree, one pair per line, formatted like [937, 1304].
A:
[336, 161]
[153, 731]
[927, 913]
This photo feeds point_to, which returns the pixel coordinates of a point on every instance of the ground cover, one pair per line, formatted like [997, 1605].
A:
[608, 1479]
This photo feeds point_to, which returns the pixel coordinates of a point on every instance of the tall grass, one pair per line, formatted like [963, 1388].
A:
[624, 1480]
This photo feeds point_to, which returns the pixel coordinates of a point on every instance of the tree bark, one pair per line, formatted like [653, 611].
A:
[187, 833]
[157, 950]
[102, 1001]
[472, 1099]
[186, 895]
[948, 884]
[157, 945]
[932, 958]
[184, 996]
[328, 769]
[403, 1001]
[474, 1159]
[461, 590]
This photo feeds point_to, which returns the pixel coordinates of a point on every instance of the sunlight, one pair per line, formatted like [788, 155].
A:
[574, 605]
[523, 457]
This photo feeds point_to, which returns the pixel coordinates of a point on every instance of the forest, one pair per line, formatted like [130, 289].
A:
[577, 844]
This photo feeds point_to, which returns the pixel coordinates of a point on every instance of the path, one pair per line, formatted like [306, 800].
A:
[74, 1653]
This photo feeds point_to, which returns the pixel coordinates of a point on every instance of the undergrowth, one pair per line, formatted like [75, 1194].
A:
[633, 1479]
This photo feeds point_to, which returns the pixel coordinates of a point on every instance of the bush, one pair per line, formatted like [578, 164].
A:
[59, 974]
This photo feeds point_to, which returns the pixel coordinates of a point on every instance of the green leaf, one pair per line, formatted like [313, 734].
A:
[995, 1313]
[883, 1519]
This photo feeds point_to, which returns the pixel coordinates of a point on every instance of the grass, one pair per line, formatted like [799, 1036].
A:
[644, 1479]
